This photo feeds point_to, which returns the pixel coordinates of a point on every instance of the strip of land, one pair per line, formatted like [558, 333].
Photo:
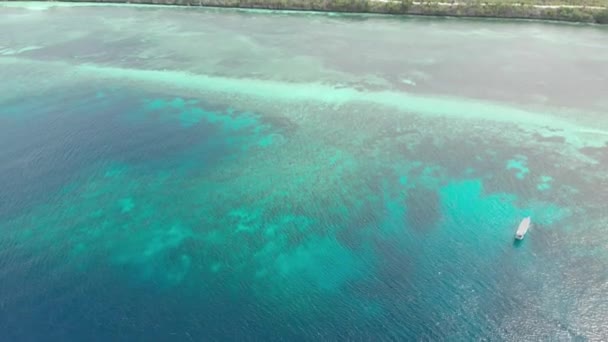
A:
[419, 3]
[587, 11]
[591, 11]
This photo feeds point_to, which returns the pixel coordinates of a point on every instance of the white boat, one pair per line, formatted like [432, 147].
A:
[523, 228]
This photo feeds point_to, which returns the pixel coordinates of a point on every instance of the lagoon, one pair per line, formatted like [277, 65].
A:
[205, 174]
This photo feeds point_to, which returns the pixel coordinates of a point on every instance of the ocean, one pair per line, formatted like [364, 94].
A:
[232, 175]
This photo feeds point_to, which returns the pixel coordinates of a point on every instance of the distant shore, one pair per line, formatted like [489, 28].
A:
[590, 11]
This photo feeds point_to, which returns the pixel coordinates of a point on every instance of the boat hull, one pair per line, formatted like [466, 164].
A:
[522, 229]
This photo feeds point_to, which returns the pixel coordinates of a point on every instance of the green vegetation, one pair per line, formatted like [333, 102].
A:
[582, 3]
[602, 17]
[571, 14]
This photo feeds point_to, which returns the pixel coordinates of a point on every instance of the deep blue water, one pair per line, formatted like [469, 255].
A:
[113, 230]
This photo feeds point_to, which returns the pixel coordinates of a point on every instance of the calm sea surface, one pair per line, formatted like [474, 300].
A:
[201, 174]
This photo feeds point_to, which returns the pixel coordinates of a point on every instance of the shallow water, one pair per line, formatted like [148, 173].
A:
[201, 174]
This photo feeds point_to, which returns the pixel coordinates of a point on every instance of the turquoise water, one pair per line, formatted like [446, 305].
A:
[190, 174]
